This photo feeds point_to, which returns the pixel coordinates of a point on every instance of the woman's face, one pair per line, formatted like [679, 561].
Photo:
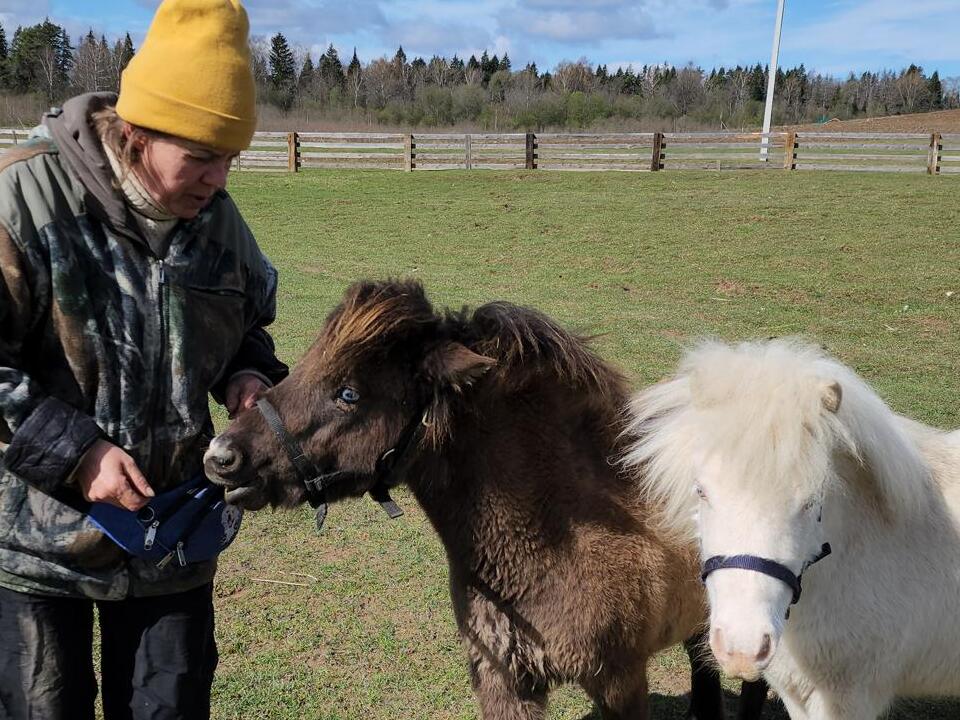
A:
[181, 175]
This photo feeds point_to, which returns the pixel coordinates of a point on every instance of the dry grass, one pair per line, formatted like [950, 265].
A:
[942, 121]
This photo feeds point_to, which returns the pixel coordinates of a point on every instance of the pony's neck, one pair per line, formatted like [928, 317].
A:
[884, 465]
[507, 488]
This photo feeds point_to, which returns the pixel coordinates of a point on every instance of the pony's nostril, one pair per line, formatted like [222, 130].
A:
[765, 646]
[222, 460]
[226, 461]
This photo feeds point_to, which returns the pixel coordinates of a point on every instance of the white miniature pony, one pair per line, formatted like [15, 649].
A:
[768, 452]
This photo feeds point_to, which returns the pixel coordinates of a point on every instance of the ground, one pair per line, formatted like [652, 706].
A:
[865, 265]
[942, 121]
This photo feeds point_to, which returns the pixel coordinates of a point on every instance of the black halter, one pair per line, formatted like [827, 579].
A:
[764, 566]
[316, 482]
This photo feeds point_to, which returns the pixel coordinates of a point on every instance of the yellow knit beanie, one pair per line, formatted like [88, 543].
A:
[192, 76]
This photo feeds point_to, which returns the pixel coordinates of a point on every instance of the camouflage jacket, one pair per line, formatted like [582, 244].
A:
[101, 338]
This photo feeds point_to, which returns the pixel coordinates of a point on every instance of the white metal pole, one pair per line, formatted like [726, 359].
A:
[771, 82]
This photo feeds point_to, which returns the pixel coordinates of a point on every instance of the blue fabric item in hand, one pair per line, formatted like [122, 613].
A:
[189, 523]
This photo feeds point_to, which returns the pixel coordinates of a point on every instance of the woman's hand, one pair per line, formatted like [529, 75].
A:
[242, 393]
[108, 474]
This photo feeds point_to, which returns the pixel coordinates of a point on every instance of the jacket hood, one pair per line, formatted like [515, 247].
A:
[81, 149]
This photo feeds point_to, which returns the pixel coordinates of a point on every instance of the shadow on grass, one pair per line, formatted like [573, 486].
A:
[673, 707]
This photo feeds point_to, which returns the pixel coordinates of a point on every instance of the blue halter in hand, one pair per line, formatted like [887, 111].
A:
[190, 523]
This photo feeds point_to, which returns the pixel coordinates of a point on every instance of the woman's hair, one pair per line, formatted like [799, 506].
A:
[110, 127]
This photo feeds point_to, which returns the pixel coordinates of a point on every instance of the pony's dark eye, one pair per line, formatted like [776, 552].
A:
[348, 395]
[699, 491]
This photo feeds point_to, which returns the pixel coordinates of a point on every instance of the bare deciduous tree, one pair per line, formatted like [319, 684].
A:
[574, 77]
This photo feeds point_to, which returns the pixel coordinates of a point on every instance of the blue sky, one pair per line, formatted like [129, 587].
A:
[832, 36]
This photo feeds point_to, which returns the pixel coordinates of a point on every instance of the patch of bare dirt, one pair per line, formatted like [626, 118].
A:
[729, 288]
[942, 121]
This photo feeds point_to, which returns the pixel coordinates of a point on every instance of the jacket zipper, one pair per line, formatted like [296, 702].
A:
[159, 401]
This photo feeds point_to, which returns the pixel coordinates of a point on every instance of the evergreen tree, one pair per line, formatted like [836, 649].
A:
[354, 66]
[355, 79]
[4, 53]
[935, 88]
[401, 70]
[758, 83]
[486, 67]
[456, 70]
[40, 60]
[119, 59]
[307, 76]
[330, 69]
[282, 72]
[127, 51]
[64, 53]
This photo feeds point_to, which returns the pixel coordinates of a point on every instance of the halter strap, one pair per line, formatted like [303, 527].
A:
[316, 482]
[764, 566]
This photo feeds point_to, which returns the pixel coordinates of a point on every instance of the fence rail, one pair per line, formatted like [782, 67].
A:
[931, 153]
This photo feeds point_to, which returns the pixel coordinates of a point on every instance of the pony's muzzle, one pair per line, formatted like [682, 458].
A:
[744, 660]
[221, 461]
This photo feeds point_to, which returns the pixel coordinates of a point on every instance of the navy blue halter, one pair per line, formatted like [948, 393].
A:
[764, 566]
[316, 482]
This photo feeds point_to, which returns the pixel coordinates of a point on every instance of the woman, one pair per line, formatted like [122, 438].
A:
[130, 288]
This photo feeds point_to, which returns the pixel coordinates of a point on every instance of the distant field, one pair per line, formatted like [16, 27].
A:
[867, 265]
[942, 121]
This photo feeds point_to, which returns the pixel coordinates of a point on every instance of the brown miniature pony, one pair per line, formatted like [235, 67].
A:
[504, 424]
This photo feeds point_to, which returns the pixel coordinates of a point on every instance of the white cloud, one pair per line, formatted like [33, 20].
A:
[577, 26]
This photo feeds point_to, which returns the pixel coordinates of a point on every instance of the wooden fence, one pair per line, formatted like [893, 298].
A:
[931, 153]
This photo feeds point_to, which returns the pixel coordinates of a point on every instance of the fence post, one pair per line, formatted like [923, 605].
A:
[531, 162]
[790, 151]
[656, 161]
[933, 157]
[468, 151]
[293, 152]
[409, 153]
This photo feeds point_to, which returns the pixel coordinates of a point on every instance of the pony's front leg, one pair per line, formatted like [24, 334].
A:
[502, 696]
[621, 694]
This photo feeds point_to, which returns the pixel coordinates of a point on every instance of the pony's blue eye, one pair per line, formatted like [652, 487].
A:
[348, 395]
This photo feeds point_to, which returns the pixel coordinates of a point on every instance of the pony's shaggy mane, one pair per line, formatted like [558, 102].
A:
[762, 408]
[527, 345]
[377, 317]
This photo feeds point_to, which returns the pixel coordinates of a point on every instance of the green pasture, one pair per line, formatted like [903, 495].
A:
[865, 264]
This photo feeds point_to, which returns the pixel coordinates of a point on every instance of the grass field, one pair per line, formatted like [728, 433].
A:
[867, 265]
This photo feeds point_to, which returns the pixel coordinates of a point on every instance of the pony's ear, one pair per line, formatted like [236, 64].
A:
[831, 396]
[455, 366]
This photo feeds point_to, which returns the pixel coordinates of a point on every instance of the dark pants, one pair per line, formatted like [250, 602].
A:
[157, 660]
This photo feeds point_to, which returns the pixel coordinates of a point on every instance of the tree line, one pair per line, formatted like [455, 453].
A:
[41, 59]
[488, 91]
